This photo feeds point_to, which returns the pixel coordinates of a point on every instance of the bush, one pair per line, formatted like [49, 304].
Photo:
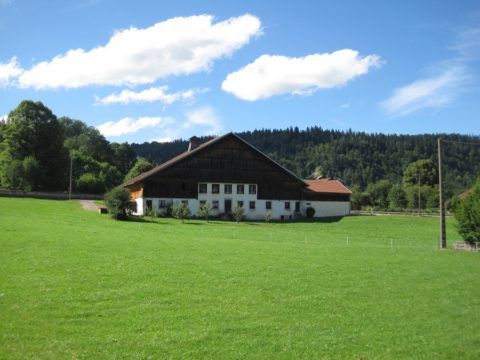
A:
[90, 184]
[181, 211]
[204, 211]
[267, 217]
[238, 213]
[468, 216]
[310, 212]
[116, 201]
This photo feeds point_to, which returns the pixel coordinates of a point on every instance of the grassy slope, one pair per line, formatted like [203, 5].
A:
[75, 284]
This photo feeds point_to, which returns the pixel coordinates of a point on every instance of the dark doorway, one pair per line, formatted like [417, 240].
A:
[228, 206]
[297, 206]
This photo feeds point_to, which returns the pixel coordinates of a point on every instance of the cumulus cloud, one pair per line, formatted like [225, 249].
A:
[9, 71]
[205, 117]
[271, 75]
[130, 125]
[152, 94]
[181, 45]
[433, 92]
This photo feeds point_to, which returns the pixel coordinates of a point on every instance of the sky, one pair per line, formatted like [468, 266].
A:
[162, 70]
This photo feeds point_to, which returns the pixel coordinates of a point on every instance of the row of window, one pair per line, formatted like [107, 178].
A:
[227, 188]
[268, 204]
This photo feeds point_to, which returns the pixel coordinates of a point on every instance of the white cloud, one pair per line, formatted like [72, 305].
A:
[204, 117]
[345, 106]
[163, 139]
[152, 94]
[9, 71]
[433, 92]
[129, 125]
[271, 75]
[4, 118]
[467, 43]
[181, 45]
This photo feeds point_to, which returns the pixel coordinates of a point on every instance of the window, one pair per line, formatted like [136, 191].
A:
[252, 205]
[252, 189]
[240, 204]
[297, 206]
[228, 189]
[240, 189]
[268, 205]
[149, 204]
[202, 188]
[163, 204]
[287, 205]
[185, 202]
[215, 188]
[202, 202]
[215, 204]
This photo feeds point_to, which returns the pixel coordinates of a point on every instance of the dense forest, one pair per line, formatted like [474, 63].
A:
[357, 158]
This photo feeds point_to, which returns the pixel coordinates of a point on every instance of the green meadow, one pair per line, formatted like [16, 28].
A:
[78, 285]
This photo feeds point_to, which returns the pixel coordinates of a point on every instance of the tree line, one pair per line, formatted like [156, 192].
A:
[372, 165]
[37, 149]
[382, 170]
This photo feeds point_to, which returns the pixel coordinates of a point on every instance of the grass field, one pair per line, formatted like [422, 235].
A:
[76, 284]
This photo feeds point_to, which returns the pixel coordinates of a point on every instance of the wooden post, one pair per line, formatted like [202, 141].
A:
[443, 236]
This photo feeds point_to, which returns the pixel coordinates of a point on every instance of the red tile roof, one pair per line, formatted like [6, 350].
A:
[327, 186]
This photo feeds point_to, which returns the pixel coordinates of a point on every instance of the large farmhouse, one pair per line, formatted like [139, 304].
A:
[227, 172]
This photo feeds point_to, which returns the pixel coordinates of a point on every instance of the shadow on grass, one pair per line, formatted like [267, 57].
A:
[202, 222]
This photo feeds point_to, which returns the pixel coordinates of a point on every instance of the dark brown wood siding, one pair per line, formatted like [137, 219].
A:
[326, 196]
[227, 161]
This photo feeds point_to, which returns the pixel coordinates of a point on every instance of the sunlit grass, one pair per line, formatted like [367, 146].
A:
[76, 284]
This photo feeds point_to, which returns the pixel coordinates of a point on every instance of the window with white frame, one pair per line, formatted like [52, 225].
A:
[252, 189]
[227, 189]
[240, 189]
[252, 205]
[215, 204]
[215, 188]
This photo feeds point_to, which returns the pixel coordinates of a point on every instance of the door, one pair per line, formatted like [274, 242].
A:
[228, 206]
[297, 206]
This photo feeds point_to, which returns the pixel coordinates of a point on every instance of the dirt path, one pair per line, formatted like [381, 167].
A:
[88, 205]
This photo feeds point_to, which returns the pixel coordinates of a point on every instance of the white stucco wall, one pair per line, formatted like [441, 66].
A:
[329, 208]
[322, 208]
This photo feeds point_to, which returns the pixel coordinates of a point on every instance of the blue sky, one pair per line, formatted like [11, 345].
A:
[157, 70]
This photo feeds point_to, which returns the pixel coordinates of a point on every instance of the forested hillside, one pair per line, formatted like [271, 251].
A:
[384, 171]
[356, 158]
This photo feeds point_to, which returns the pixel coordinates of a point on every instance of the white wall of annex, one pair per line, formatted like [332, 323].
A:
[329, 208]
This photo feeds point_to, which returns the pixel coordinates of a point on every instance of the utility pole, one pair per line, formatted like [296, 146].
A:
[70, 186]
[419, 199]
[443, 236]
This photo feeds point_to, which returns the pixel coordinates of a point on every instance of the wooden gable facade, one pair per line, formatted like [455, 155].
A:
[227, 159]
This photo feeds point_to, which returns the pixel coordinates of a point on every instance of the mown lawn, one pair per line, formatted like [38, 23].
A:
[75, 284]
